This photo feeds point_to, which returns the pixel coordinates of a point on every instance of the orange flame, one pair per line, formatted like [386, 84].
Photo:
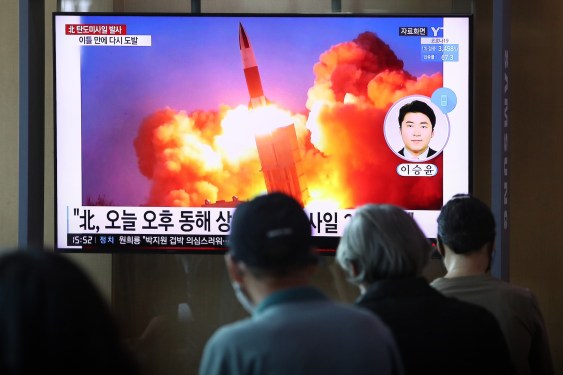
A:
[212, 155]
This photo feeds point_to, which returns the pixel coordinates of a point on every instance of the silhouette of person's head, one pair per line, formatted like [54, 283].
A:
[382, 242]
[53, 319]
[272, 234]
[466, 224]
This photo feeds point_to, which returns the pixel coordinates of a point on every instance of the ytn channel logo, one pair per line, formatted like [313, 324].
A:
[437, 31]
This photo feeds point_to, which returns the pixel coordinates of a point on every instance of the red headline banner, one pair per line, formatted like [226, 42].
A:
[80, 29]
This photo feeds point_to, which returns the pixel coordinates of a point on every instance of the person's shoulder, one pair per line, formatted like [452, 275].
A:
[449, 286]
[479, 329]
[466, 308]
[508, 292]
[355, 310]
[431, 152]
[469, 319]
[364, 326]
[518, 298]
[359, 317]
[514, 289]
[221, 353]
[229, 338]
[461, 283]
[438, 282]
[473, 315]
[232, 332]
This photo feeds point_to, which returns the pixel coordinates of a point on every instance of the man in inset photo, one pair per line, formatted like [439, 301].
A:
[416, 124]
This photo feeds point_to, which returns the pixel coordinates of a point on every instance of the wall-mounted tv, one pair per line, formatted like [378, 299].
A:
[165, 122]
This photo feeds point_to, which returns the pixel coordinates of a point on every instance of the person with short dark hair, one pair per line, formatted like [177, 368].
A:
[294, 328]
[466, 236]
[416, 124]
[53, 319]
[383, 251]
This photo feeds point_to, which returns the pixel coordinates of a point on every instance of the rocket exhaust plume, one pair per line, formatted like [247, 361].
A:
[335, 155]
[251, 73]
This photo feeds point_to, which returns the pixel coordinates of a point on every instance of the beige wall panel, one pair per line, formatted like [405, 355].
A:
[85, 5]
[536, 107]
[223, 6]
[289, 6]
[169, 6]
[97, 266]
[394, 6]
[482, 97]
[9, 131]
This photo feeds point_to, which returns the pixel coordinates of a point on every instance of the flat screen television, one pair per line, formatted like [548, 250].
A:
[165, 122]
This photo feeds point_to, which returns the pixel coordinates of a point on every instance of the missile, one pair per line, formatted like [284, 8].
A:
[251, 73]
[278, 150]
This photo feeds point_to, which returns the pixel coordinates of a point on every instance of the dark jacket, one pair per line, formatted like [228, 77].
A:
[437, 334]
[430, 152]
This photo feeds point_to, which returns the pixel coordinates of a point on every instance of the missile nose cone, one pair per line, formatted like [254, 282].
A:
[242, 38]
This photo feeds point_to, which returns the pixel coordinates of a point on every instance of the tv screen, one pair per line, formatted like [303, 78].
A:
[164, 123]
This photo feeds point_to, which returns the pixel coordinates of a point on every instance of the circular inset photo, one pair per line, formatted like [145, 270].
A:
[415, 129]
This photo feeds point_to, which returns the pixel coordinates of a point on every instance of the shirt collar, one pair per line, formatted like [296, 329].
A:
[422, 156]
[297, 294]
[396, 287]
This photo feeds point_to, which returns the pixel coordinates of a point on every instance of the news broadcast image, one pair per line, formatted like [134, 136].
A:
[176, 113]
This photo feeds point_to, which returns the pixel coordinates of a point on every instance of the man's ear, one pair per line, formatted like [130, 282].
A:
[440, 247]
[490, 248]
[354, 269]
[234, 269]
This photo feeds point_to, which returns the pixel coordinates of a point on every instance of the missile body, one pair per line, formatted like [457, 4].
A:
[251, 73]
[278, 150]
